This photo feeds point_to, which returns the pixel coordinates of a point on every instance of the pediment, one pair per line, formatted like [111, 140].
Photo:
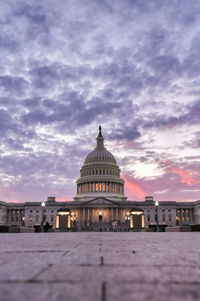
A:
[100, 201]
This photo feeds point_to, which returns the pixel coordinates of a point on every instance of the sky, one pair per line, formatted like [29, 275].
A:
[67, 66]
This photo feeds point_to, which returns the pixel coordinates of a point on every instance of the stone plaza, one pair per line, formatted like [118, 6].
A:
[99, 266]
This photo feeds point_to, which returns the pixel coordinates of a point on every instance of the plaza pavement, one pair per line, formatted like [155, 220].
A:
[100, 266]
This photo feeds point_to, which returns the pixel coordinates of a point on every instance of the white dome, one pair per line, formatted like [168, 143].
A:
[100, 175]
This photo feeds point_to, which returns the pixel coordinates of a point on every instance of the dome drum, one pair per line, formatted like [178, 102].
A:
[96, 170]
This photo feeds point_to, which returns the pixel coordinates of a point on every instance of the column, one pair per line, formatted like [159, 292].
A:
[131, 221]
[116, 213]
[15, 216]
[191, 216]
[88, 214]
[79, 215]
[98, 216]
[181, 216]
[121, 217]
[9, 216]
[112, 214]
[107, 215]
[19, 216]
[93, 215]
[110, 187]
[83, 214]
[143, 224]
[102, 215]
[98, 186]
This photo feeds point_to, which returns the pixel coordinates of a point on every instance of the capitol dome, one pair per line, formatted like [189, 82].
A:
[100, 175]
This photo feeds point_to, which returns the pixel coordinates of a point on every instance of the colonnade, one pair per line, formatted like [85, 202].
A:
[185, 216]
[90, 187]
[94, 214]
[15, 215]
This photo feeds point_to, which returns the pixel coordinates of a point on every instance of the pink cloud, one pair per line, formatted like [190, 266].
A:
[63, 200]
[14, 201]
[186, 176]
[134, 188]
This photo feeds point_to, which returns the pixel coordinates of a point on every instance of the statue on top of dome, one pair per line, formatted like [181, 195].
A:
[100, 133]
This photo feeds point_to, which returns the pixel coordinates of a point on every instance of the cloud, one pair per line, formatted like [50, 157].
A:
[66, 67]
[186, 176]
[134, 189]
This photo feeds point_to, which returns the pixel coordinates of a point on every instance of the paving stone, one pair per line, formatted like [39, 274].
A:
[100, 266]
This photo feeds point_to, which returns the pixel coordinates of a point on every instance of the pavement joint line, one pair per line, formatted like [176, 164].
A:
[134, 265]
[36, 251]
[66, 252]
[40, 272]
[101, 260]
[103, 291]
[35, 281]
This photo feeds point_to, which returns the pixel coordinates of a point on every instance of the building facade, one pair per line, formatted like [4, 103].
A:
[100, 203]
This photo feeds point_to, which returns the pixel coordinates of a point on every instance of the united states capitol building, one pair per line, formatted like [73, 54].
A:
[100, 204]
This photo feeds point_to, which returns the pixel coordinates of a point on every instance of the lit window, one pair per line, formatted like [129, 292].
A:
[31, 219]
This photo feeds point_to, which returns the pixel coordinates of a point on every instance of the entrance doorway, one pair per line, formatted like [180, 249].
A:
[137, 219]
[63, 221]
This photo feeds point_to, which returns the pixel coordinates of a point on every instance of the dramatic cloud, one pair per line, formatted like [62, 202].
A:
[68, 66]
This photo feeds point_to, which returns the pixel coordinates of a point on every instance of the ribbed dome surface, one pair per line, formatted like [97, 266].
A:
[100, 155]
